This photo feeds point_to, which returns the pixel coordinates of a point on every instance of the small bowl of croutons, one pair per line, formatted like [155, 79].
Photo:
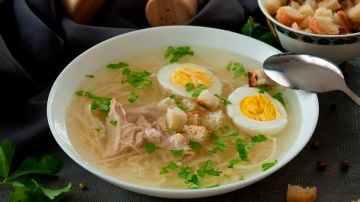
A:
[325, 28]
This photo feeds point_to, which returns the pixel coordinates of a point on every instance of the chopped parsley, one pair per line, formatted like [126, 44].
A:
[171, 166]
[118, 65]
[100, 103]
[241, 178]
[113, 122]
[263, 88]
[150, 147]
[208, 169]
[236, 69]
[177, 153]
[213, 136]
[178, 103]
[219, 146]
[190, 177]
[242, 148]
[278, 96]
[233, 162]
[97, 129]
[226, 127]
[189, 87]
[79, 93]
[215, 185]
[132, 97]
[257, 31]
[223, 100]
[177, 53]
[197, 90]
[230, 134]
[258, 138]
[137, 79]
[266, 166]
[90, 76]
[194, 145]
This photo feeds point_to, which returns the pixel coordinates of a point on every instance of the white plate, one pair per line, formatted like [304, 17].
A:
[116, 47]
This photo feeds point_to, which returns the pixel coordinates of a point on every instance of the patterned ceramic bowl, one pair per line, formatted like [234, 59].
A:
[338, 48]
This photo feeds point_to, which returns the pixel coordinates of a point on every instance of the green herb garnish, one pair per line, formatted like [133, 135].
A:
[97, 129]
[258, 138]
[177, 53]
[242, 148]
[213, 136]
[257, 31]
[24, 188]
[223, 100]
[215, 185]
[79, 93]
[177, 102]
[233, 162]
[171, 166]
[194, 145]
[137, 79]
[263, 88]
[150, 147]
[236, 69]
[241, 178]
[132, 97]
[266, 166]
[208, 169]
[190, 177]
[278, 96]
[101, 103]
[219, 146]
[197, 90]
[230, 134]
[189, 87]
[118, 65]
[177, 153]
[113, 122]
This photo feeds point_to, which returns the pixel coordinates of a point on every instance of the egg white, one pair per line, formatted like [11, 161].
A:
[251, 126]
[164, 78]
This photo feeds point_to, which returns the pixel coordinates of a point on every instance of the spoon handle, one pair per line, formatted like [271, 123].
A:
[352, 95]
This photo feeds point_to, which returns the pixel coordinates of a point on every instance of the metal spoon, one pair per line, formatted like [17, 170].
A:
[306, 72]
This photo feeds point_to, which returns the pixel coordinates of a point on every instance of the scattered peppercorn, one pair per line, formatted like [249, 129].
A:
[332, 107]
[315, 145]
[321, 165]
[82, 186]
[344, 165]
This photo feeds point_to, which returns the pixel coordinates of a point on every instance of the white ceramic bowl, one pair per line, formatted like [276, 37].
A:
[99, 55]
[337, 48]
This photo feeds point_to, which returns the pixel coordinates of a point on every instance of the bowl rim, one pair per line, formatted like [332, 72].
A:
[163, 192]
[273, 20]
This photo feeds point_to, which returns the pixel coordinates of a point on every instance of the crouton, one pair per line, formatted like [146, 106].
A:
[193, 118]
[207, 100]
[196, 133]
[175, 118]
[323, 25]
[213, 120]
[288, 15]
[165, 104]
[341, 19]
[323, 12]
[297, 193]
[272, 6]
[354, 14]
[312, 3]
[258, 78]
[189, 104]
[295, 26]
[346, 4]
[333, 5]
[306, 10]
[305, 24]
[294, 5]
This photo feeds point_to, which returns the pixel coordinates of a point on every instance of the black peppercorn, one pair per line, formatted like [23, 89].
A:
[315, 145]
[321, 165]
[82, 186]
[332, 107]
[344, 165]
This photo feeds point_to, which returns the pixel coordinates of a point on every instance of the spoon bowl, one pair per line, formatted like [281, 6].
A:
[306, 72]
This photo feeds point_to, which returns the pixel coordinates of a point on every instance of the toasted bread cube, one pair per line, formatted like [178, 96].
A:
[306, 10]
[346, 4]
[165, 104]
[297, 193]
[196, 133]
[341, 19]
[323, 25]
[272, 6]
[175, 118]
[333, 5]
[305, 24]
[189, 104]
[323, 12]
[288, 15]
[295, 26]
[312, 3]
[208, 100]
[354, 14]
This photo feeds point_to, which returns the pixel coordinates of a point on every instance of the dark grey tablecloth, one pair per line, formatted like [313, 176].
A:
[36, 42]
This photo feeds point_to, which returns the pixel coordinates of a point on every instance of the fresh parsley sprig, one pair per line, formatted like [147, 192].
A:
[24, 188]
[236, 69]
[177, 53]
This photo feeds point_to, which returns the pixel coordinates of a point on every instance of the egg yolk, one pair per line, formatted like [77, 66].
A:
[184, 75]
[259, 107]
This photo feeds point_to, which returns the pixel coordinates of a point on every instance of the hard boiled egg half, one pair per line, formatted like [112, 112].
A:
[256, 113]
[174, 78]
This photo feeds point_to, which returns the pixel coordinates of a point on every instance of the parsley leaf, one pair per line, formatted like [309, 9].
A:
[241, 147]
[241, 178]
[194, 145]
[79, 93]
[215, 185]
[118, 65]
[189, 87]
[177, 153]
[178, 103]
[258, 138]
[233, 162]
[266, 166]
[230, 134]
[7, 151]
[101, 103]
[47, 165]
[132, 97]
[249, 26]
[97, 129]
[257, 31]
[90, 76]
[190, 177]
[178, 53]
[197, 90]
[171, 166]
[219, 146]
[223, 100]
[263, 88]
[280, 98]
[113, 122]
[52, 193]
[236, 69]
[208, 169]
[150, 147]
[137, 79]
[213, 136]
